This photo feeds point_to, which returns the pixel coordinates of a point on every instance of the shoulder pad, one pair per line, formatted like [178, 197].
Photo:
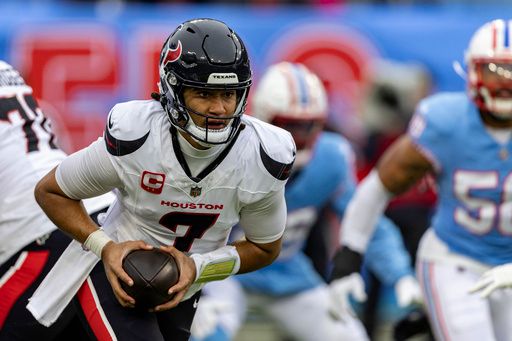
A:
[333, 146]
[444, 111]
[277, 148]
[128, 126]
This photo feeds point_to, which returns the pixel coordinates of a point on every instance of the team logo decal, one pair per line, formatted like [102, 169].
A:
[195, 191]
[173, 55]
[152, 182]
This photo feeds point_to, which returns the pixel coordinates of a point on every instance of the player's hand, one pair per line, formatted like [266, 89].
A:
[497, 278]
[341, 290]
[408, 291]
[346, 282]
[187, 277]
[112, 256]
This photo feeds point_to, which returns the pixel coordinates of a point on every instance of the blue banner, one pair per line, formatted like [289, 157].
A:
[83, 58]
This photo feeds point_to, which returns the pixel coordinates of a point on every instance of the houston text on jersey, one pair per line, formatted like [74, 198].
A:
[191, 205]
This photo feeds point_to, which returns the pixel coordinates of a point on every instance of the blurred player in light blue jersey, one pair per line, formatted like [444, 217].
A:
[464, 139]
[290, 290]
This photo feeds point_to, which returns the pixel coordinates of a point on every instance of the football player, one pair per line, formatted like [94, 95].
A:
[290, 290]
[29, 242]
[187, 166]
[464, 139]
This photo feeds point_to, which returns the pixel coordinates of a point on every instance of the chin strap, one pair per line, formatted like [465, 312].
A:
[156, 96]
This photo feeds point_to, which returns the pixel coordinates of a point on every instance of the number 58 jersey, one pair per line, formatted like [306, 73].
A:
[474, 177]
[162, 203]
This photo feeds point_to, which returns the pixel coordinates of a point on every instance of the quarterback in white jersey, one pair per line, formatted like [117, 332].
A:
[29, 242]
[464, 139]
[186, 167]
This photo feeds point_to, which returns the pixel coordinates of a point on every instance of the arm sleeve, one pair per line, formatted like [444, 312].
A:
[264, 221]
[386, 255]
[364, 210]
[88, 172]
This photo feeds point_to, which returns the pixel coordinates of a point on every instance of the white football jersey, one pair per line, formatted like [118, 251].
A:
[163, 203]
[27, 153]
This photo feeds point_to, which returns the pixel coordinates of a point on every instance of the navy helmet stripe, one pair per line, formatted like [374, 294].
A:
[506, 33]
[302, 86]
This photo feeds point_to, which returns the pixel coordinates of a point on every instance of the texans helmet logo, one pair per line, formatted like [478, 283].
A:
[172, 55]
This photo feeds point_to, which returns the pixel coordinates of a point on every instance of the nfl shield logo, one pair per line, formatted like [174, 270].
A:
[195, 191]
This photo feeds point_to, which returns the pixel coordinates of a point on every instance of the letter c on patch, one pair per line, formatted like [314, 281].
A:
[152, 182]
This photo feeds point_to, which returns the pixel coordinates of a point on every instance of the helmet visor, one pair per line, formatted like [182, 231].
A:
[304, 131]
[496, 76]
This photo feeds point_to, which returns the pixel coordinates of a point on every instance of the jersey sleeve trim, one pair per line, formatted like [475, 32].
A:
[119, 147]
[427, 154]
[278, 170]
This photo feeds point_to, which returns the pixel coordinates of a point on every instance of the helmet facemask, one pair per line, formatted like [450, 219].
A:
[180, 115]
[304, 130]
[492, 86]
[489, 61]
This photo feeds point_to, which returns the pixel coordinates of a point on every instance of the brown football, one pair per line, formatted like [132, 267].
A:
[153, 273]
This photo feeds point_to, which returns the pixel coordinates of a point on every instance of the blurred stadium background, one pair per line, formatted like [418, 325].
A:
[82, 57]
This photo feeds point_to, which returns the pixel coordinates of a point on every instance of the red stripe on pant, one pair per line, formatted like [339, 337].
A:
[22, 278]
[91, 311]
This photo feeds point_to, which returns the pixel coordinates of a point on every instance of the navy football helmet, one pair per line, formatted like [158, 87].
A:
[205, 54]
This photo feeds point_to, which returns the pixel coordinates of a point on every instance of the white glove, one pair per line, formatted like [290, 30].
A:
[408, 291]
[207, 315]
[496, 278]
[340, 289]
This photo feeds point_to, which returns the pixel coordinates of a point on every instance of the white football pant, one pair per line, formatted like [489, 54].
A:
[454, 313]
[303, 317]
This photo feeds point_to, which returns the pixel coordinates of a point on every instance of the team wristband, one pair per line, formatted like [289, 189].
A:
[96, 241]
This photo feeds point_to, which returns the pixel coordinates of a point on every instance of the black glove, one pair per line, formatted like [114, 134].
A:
[346, 283]
[346, 262]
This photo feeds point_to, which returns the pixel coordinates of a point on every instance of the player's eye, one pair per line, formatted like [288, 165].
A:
[203, 93]
[229, 94]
